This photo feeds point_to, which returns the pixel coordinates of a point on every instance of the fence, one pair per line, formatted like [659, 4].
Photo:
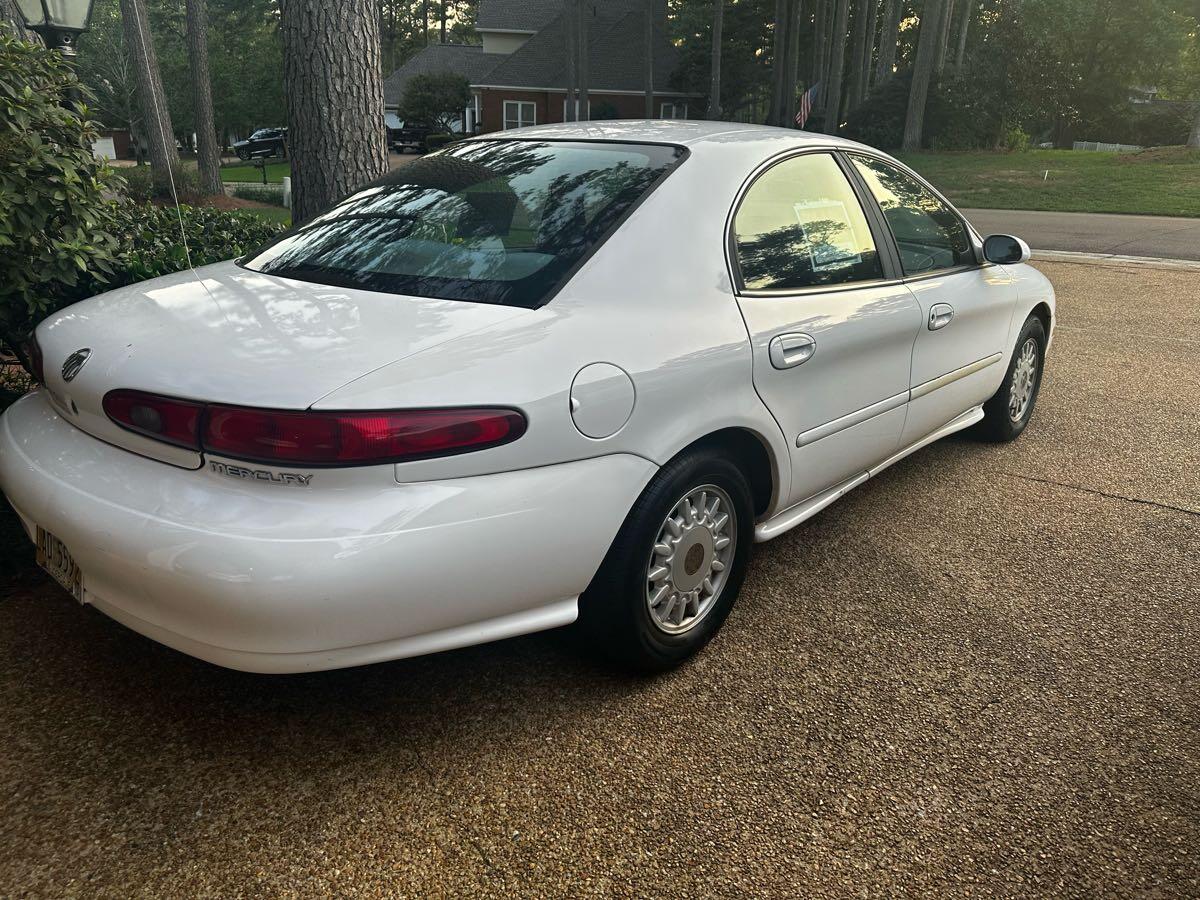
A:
[1105, 148]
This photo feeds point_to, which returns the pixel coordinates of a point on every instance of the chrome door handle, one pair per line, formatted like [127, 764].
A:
[788, 350]
[940, 315]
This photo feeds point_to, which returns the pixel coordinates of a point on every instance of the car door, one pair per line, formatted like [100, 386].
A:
[832, 330]
[966, 306]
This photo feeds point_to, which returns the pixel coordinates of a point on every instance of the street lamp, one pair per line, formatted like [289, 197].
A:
[59, 22]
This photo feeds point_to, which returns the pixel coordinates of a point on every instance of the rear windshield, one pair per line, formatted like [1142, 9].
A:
[491, 221]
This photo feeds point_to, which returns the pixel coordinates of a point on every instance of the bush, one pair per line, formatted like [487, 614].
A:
[438, 141]
[139, 184]
[1015, 140]
[262, 193]
[879, 120]
[57, 215]
[437, 98]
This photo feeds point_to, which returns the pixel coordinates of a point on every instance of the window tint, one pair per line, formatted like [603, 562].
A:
[490, 221]
[801, 225]
[928, 233]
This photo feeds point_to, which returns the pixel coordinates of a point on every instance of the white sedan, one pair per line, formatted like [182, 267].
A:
[567, 372]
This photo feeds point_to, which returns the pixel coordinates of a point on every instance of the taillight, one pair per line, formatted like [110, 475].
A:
[331, 438]
[36, 361]
[162, 418]
[314, 438]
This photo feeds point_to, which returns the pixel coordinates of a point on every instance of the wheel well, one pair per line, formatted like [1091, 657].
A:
[751, 454]
[1042, 311]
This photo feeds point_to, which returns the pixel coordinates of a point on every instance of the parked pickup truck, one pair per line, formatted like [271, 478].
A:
[409, 136]
[264, 142]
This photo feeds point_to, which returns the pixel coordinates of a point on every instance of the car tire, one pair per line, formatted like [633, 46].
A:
[637, 617]
[1009, 410]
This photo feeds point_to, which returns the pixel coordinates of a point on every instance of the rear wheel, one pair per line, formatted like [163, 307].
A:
[1008, 411]
[676, 567]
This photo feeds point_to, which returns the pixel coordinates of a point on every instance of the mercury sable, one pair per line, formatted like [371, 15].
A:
[566, 372]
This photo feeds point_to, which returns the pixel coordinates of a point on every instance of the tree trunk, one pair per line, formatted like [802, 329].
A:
[648, 52]
[333, 89]
[160, 136]
[819, 46]
[714, 87]
[867, 68]
[961, 55]
[793, 69]
[585, 18]
[570, 21]
[208, 154]
[858, 56]
[888, 39]
[943, 49]
[444, 21]
[425, 32]
[923, 66]
[778, 52]
[837, 66]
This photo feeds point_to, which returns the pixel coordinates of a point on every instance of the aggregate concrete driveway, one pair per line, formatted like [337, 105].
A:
[977, 674]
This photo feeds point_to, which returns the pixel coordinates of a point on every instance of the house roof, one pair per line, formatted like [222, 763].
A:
[516, 15]
[467, 60]
[616, 38]
[615, 57]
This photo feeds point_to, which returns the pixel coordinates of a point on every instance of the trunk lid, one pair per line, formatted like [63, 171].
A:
[223, 334]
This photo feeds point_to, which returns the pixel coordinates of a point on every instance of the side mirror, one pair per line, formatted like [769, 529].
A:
[1005, 249]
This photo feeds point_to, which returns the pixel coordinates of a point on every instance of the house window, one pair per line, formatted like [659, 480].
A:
[519, 113]
[578, 117]
[673, 111]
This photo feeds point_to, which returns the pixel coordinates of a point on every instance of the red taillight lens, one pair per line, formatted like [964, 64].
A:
[331, 438]
[162, 418]
[34, 351]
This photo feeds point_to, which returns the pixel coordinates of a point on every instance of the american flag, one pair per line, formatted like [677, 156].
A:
[806, 105]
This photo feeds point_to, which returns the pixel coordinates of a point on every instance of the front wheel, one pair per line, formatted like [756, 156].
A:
[672, 574]
[1008, 411]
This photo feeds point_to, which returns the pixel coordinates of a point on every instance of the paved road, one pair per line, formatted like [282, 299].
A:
[1159, 236]
[977, 674]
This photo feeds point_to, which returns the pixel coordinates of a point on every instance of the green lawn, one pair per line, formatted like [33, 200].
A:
[1162, 181]
[276, 213]
[246, 172]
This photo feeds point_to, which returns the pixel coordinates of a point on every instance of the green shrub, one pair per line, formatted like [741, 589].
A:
[438, 141]
[57, 215]
[262, 193]
[1015, 141]
[139, 184]
[879, 120]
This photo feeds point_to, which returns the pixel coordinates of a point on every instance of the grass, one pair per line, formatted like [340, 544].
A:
[1162, 181]
[275, 213]
[245, 172]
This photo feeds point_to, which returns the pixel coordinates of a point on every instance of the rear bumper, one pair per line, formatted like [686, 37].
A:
[271, 578]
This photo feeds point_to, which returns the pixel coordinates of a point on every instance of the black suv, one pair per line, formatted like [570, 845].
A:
[264, 142]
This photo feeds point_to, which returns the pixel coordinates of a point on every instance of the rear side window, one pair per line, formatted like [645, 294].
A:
[800, 225]
[491, 221]
[928, 234]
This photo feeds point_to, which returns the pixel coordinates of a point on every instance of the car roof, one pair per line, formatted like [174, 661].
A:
[691, 134]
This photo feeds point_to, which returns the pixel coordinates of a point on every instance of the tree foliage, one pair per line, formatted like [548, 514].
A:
[437, 98]
[56, 218]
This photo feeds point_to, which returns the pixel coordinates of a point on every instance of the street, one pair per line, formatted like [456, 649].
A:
[975, 674]
[1157, 236]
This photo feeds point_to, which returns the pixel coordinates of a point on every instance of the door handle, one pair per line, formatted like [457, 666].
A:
[940, 315]
[788, 350]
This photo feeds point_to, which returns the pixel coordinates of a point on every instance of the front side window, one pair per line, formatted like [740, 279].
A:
[519, 114]
[928, 234]
[800, 225]
[487, 221]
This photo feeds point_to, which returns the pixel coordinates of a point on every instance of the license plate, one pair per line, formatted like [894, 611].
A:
[53, 556]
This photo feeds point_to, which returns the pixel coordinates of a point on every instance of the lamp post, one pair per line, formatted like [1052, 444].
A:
[59, 22]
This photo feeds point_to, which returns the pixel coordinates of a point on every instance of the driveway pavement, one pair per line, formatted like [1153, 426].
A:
[976, 674]
[1161, 236]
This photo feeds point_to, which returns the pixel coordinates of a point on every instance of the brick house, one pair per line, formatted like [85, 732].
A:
[518, 74]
